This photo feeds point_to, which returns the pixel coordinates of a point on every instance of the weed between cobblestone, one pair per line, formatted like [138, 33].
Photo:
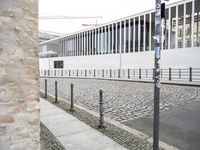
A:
[47, 140]
[117, 134]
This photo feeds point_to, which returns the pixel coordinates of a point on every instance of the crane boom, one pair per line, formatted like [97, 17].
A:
[69, 17]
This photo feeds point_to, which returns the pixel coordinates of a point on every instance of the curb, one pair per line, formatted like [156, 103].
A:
[135, 132]
[178, 83]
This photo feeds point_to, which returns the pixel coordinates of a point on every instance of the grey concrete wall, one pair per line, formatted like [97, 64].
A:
[19, 84]
[174, 58]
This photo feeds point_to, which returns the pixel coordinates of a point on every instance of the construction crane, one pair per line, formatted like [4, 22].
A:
[94, 25]
[72, 17]
[69, 17]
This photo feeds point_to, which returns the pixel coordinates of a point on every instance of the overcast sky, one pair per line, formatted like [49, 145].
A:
[109, 9]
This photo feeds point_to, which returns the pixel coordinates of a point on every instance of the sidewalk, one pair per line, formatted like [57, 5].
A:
[71, 132]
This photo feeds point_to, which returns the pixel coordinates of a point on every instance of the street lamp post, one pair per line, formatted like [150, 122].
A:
[160, 13]
[157, 38]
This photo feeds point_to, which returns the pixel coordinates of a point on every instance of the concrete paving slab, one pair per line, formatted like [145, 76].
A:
[111, 147]
[87, 140]
[50, 111]
[44, 105]
[57, 118]
[63, 128]
[72, 133]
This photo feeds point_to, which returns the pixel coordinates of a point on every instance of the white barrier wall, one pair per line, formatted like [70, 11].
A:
[174, 58]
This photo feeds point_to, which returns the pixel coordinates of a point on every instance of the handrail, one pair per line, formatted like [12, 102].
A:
[184, 74]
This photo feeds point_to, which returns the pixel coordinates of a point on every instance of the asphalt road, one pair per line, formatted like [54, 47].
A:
[179, 127]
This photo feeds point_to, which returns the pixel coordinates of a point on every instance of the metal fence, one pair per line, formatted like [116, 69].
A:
[183, 74]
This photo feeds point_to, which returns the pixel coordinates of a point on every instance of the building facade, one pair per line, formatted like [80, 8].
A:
[46, 35]
[129, 43]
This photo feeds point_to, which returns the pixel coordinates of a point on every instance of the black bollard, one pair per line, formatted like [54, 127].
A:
[45, 87]
[128, 73]
[72, 97]
[56, 93]
[170, 73]
[190, 78]
[118, 73]
[140, 73]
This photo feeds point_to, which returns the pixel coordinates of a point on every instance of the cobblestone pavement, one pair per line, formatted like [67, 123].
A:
[123, 100]
[48, 141]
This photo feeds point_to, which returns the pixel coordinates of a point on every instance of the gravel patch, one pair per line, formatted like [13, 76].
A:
[47, 140]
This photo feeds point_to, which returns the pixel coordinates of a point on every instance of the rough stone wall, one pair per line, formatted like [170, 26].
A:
[19, 84]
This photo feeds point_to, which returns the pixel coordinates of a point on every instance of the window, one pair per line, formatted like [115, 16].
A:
[188, 25]
[188, 43]
[180, 44]
[114, 38]
[136, 34]
[59, 64]
[152, 30]
[180, 32]
[122, 36]
[196, 25]
[127, 40]
[118, 36]
[147, 32]
[131, 36]
[172, 28]
[180, 25]
[188, 31]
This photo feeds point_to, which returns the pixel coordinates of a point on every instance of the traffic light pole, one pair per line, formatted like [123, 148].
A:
[157, 37]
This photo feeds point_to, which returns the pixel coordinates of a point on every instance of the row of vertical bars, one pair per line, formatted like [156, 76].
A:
[111, 73]
[92, 42]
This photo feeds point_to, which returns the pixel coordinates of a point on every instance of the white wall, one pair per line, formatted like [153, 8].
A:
[174, 58]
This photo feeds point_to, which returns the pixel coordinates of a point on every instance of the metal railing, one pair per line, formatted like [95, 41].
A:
[183, 74]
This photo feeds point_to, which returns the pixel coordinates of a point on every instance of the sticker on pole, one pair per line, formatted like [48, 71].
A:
[157, 52]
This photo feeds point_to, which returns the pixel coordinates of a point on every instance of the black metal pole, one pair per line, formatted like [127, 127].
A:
[72, 97]
[94, 72]
[128, 73]
[146, 73]
[161, 72]
[157, 38]
[170, 73]
[101, 109]
[190, 74]
[153, 74]
[45, 87]
[140, 73]
[56, 93]
[110, 73]
[102, 72]
[118, 73]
